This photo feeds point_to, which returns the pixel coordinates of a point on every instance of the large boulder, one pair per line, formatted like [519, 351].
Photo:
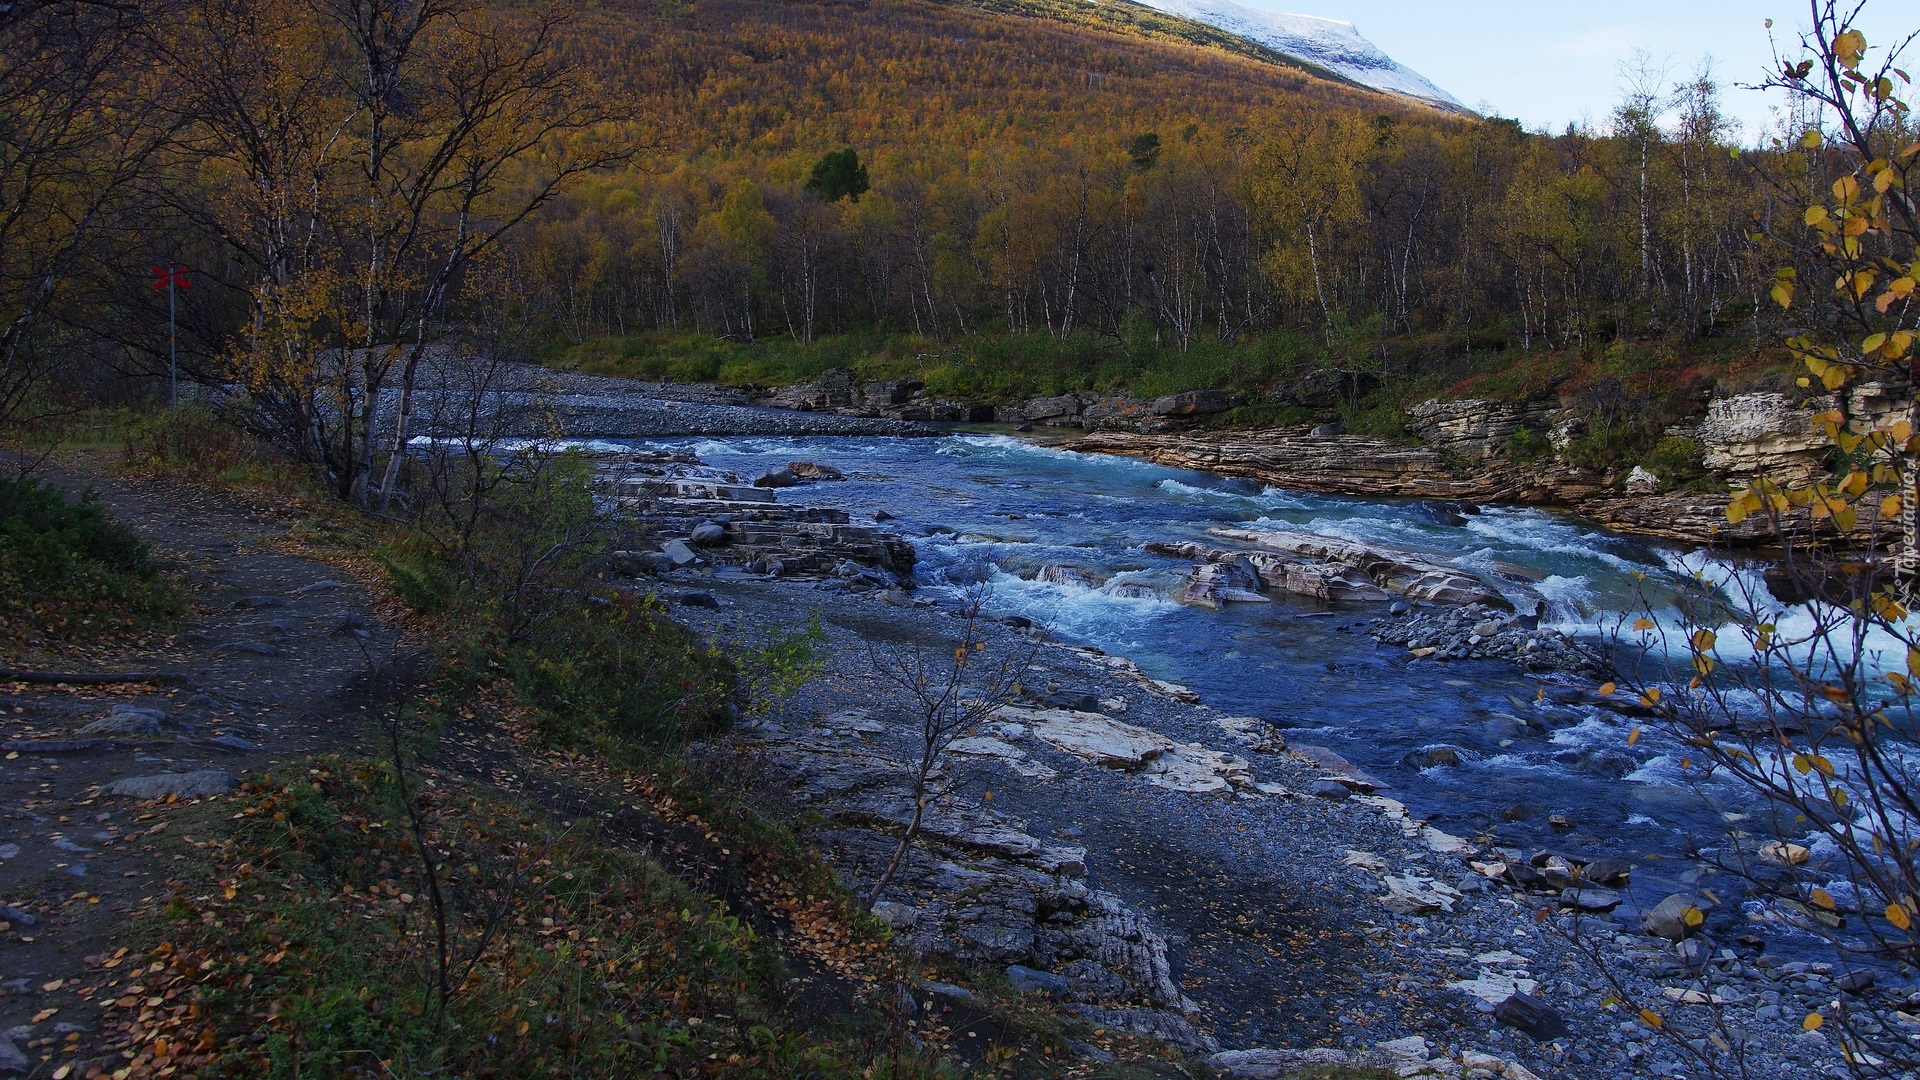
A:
[1193, 403]
[812, 470]
[1052, 408]
[1214, 584]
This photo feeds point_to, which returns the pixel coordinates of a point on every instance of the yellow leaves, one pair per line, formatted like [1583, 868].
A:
[1651, 1018]
[1807, 763]
[1643, 624]
[1897, 290]
[1848, 49]
[1898, 915]
[1913, 661]
[1890, 506]
[1702, 640]
[1607, 689]
[1633, 736]
[1782, 293]
[1811, 139]
[1694, 916]
[1813, 1021]
[1901, 684]
[1821, 899]
[1650, 697]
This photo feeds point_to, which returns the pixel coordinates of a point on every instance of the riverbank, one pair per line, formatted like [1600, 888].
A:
[1356, 465]
[1188, 874]
[1250, 891]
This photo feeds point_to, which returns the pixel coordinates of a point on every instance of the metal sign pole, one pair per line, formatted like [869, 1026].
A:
[173, 348]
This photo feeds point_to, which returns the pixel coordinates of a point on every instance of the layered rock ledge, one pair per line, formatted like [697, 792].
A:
[1357, 465]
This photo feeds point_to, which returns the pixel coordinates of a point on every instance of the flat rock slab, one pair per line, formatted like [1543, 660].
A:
[182, 785]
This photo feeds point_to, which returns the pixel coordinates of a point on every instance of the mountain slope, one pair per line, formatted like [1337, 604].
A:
[1327, 43]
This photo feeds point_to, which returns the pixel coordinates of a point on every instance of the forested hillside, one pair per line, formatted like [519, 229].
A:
[1070, 195]
[1030, 177]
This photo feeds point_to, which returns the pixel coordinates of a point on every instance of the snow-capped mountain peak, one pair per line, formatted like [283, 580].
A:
[1330, 43]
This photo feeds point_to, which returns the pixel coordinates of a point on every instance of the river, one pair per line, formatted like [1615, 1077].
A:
[1004, 507]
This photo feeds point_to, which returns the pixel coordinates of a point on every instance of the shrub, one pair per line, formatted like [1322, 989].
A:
[1675, 460]
[1526, 445]
[70, 573]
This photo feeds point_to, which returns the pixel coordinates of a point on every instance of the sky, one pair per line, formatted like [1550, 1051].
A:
[1552, 62]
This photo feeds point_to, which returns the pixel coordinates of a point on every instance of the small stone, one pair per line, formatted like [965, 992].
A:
[229, 742]
[698, 599]
[126, 720]
[9, 913]
[181, 785]
[1607, 871]
[11, 1059]
[679, 553]
[1531, 1015]
[8, 851]
[1855, 982]
[810, 470]
[1787, 854]
[898, 916]
[1668, 919]
[320, 586]
[1591, 899]
[1026, 980]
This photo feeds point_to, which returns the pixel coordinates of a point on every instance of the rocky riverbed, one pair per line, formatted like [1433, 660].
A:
[1156, 865]
[1210, 878]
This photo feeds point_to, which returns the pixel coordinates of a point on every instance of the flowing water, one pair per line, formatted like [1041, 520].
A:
[1004, 508]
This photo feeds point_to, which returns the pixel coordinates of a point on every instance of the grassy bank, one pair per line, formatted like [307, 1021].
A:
[1630, 390]
[509, 864]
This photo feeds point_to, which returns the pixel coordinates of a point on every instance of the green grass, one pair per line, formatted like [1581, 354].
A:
[69, 573]
[987, 367]
[312, 948]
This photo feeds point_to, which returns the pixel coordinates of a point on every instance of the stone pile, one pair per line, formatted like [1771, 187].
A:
[1479, 632]
[840, 391]
[699, 516]
[1320, 567]
[978, 887]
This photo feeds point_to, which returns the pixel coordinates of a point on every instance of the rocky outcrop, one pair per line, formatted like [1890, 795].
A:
[1229, 580]
[1479, 633]
[681, 505]
[1753, 434]
[1356, 465]
[1344, 464]
[977, 886]
[840, 391]
[1403, 573]
[1476, 428]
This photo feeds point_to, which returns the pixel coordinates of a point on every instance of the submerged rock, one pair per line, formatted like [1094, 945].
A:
[1216, 584]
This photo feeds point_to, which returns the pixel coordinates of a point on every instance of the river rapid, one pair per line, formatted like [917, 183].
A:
[1532, 773]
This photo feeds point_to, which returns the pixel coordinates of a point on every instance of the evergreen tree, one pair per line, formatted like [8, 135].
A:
[839, 175]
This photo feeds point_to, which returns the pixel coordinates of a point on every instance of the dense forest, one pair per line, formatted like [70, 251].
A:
[636, 185]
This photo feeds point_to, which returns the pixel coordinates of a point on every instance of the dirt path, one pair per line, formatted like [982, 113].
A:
[266, 666]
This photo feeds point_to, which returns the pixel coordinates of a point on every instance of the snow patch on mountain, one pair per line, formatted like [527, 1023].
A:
[1330, 43]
